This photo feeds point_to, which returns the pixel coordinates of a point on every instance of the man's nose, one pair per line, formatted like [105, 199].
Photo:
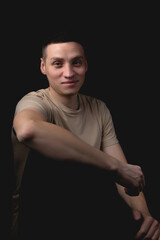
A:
[68, 71]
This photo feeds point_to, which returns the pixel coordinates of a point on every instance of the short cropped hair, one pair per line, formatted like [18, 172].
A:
[63, 37]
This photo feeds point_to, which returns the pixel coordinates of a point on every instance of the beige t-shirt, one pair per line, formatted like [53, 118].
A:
[92, 122]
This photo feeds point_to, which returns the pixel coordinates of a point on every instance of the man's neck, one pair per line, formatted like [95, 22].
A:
[70, 101]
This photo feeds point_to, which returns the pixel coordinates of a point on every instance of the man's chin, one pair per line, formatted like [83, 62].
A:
[71, 93]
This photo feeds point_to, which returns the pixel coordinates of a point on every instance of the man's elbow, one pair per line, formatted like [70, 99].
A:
[25, 131]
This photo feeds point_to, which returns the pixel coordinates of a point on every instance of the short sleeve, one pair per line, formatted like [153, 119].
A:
[33, 101]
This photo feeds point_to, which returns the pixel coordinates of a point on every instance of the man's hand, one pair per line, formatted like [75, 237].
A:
[131, 177]
[149, 227]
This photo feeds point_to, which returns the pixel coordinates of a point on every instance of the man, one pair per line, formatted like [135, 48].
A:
[66, 127]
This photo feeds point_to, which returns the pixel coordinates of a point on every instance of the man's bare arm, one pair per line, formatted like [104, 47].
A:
[150, 227]
[55, 142]
[138, 202]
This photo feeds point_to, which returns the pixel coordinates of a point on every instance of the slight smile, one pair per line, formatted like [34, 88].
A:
[70, 83]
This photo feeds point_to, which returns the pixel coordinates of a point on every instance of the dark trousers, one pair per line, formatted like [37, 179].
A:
[62, 200]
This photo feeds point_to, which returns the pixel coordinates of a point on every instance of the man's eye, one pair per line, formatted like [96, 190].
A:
[77, 63]
[57, 64]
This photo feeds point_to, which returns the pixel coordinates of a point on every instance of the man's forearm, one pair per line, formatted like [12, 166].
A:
[58, 143]
[137, 202]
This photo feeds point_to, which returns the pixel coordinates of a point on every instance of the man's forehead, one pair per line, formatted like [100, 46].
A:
[64, 49]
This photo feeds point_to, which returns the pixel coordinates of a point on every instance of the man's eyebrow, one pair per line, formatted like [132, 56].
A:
[79, 56]
[56, 58]
[61, 59]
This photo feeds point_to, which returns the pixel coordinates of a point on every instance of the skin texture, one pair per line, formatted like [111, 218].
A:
[65, 67]
[65, 70]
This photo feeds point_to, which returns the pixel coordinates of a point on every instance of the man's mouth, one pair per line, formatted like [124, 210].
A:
[70, 82]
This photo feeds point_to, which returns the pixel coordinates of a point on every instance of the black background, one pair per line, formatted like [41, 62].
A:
[123, 58]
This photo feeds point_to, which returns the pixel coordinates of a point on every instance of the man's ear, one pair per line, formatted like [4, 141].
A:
[42, 66]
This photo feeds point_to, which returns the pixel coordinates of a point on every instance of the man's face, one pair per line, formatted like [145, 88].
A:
[65, 67]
